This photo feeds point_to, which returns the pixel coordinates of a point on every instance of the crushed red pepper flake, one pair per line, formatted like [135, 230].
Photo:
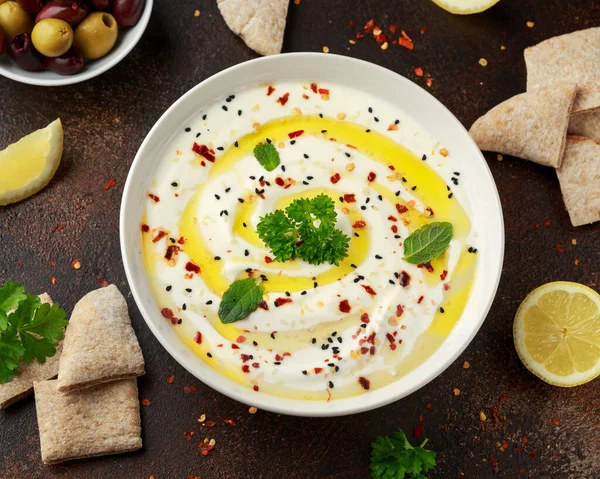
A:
[102, 282]
[443, 275]
[145, 228]
[371, 176]
[198, 337]
[193, 268]
[350, 198]
[335, 178]
[170, 379]
[401, 208]
[282, 301]
[145, 402]
[418, 432]
[364, 383]
[295, 134]
[369, 290]
[188, 435]
[359, 224]
[231, 422]
[153, 197]
[270, 90]
[75, 264]
[406, 43]
[283, 99]
[205, 448]
[168, 314]
[160, 235]
[344, 306]
[190, 389]
[365, 318]
[560, 248]
[109, 184]
[419, 72]
[204, 151]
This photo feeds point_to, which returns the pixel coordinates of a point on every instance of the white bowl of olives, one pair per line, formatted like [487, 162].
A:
[61, 42]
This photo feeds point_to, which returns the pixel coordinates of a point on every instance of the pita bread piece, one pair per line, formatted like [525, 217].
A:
[100, 345]
[568, 58]
[586, 124]
[579, 178]
[260, 23]
[22, 385]
[94, 422]
[531, 125]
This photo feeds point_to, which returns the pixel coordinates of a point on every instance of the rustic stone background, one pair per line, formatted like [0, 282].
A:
[105, 121]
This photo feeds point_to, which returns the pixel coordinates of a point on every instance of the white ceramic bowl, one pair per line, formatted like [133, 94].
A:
[128, 38]
[398, 91]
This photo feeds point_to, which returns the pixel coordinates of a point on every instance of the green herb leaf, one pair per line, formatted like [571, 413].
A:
[267, 156]
[11, 351]
[396, 458]
[240, 300]
[11, 294]
[306, 230]
[428, 242]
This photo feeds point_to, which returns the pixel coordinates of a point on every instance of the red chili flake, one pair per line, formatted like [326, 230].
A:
[420, 299]
[427, 266]
[404, 279]
[188, 435]
[351, 23]
[532, 454]
[313, 87]
[231, 422]
[323, 91]
[198, 337]
[392, 28]
[154, 198]
[391, 340]
[160, 235]
[181, 240]
[145, 228]
[145, 402]
[234, 346]
[190, 389]
[172, 250]
[264, 305]
[350, 198]
[279, 181]
[496, 419]
[418, 432]
[371, 176]
[282, 301]
[560, 249]
[102, 282]
[283, 99]
[170, 379]
[394, 229]
[364, 350]
[443, 275]
[204, 151]
[344, 306]
[419, 72]
[430, 211]
[555, 421]
[429, 406]
[401, 208]
[245, 357]
[168, 314]
[255, 387]
[268, 259]
[525, 440]
[335, 178]
[295, 134]
[240, 339]
[369, 26]
[382, 38]
[423, 30]
[392, 127]
[406, 43]
[205, 448]
[369, 290]
[359, 35]
[364, 383]
[58, 228]
[109, 184]
[246, 368]
[359, 224]
[429, 82]
[317, 370]
[278, 357]
[364, 318]
[255, 365]
[270, 90]
[399, 310]
[194, 268]
[209, 424]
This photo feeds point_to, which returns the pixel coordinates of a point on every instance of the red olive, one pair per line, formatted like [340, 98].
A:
[31, 6]
[100, 4]
[67, 64]
[72, 12]
[127, 12]
[3, 42]
[22, 52]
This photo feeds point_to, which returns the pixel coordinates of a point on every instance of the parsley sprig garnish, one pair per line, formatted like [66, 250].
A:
[396, 458]
[28, 329]
[305, 230]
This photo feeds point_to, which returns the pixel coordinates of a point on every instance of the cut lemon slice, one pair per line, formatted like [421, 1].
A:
[465, 7]
[29, 164]
[557, 333]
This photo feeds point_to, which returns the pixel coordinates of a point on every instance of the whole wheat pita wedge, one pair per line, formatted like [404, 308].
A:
[100, 345]
[531, 125]
[579, 178]
[22, 385]
[573, 57]
[586, 124]
[260, 23]
[96, 421]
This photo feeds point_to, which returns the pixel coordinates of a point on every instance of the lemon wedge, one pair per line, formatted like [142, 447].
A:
[557, 333]
[29, 164]
[465, 7]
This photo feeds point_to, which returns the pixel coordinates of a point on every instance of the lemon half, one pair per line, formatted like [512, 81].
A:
[465, 7]
[29, 164]
[557, 333]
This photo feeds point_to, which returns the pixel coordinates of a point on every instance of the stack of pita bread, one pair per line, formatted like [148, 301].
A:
[557, 122]
[92, 409]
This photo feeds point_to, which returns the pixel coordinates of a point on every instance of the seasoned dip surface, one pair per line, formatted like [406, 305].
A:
[325, 331]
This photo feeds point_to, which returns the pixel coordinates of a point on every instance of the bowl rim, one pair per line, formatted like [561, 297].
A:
[296, 407]
[119, 53]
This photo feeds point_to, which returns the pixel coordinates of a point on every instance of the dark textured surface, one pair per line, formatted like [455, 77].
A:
[105, 121]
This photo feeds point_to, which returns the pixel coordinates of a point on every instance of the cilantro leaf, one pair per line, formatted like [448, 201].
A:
[240, 300]
[11, 294]
[267, 155]
[396, 458]
[428, 242]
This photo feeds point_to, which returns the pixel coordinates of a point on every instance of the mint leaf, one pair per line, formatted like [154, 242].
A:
[267, 156]
[11, 294]
[240, 300]
[396, 458]
[428, 242]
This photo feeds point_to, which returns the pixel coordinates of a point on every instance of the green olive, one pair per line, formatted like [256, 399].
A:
[13, 19]
[96, 35]
[52, 37]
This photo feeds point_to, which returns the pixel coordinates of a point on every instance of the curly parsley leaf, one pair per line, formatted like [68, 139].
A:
[240, 300]
[396, 458]
[267, 155]
[306, 230]
[29, 329]
[428, 242]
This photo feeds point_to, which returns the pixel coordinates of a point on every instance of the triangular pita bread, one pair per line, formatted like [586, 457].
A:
[100, 345]
[574, 57]
[579, 178]
[531, 125]
[260, 23]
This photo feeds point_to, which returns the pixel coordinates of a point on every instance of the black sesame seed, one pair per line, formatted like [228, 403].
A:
[330, 385]
[179, 321]
[361, 277]
[293, 142]
[329, 340]
[363, 207]
[174, 184]
[324, 346]
[392, 281]
[209, 355]
[261, 178]
[320, 115]
[341, 199]
[272, 335]
[305, 156]
[246, 252]
[239, 112]
[368, 130]
[228, 100]
[224, 107]
[348, 154]
[314, 340]
[305, 183]
[424, 157]
[188, 129]
[217, 258]
[264, 277]
[403, 180]
[283, 168]
[253, 177]
[248, 270]
[303, 293]
[450, 195]
[414, 188]
[315, 284]
[353, 265]
[244, 224]
[337, 368]
[309, 178]
[228, 189]
[255, 343]
[220, 148]
[398, 193]
[204, 117]
[189, 290]
[305, 372]
[397, 236]
[339, 339]
[236, 144]
[396, 122]
[380, 197]
[356, 234]
[457, 173]
[376, 119]
[184, 306]
[288, 294]
[330, 365]
[198, 134]
[370, 110]
[277, 363]
[470, 249]
[442, 310]
[241, 200]
[335, 350]
[217, 197]
[334, 334]
[323, 131]
[474, 250]
[172, 240]
[378, 256]
[209, 302]
[363, 325]
[168, 288]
